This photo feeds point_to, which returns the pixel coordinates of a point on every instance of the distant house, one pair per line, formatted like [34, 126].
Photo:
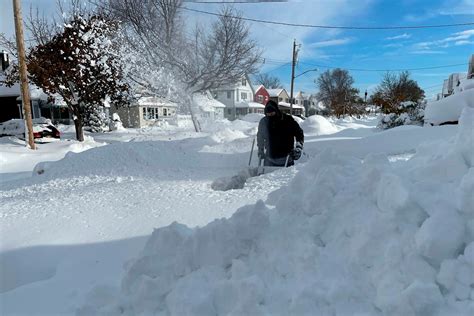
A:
[41, 106]
[261, 95]
[285, 107]
[11, 105]
[278, 95]
[146, 111]
[210, 107]
[304, 100]
[470, 68]
[244, 108]
[231, 95]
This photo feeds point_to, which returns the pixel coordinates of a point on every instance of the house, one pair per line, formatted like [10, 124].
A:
[210, 107]
[278, 95]
[244, 108]
[470, 68]
[307, 101]
[41, 105]
[261, 95]
[285, 107]
[231, 95]
[146, 111]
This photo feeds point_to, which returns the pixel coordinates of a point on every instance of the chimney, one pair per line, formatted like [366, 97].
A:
[5, 60]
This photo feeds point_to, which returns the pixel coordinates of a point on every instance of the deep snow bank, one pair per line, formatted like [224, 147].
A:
[449, 109]
[344, 238]
[316, 125]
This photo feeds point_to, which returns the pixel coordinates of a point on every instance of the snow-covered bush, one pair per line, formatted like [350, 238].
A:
[408, 113]
[96, 120]
[116, 123]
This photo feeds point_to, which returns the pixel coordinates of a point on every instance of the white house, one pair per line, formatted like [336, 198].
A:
[146, 111]
[231, 95]
[209, 107]
[278, 95]
[244, 108]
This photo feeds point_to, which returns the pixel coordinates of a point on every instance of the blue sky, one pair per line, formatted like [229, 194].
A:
[393, 49]
[381, 49]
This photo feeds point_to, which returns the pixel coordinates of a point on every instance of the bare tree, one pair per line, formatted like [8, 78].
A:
[203, 61]
[337, 93]
[268, 81]
[395, 89]
[168, 59]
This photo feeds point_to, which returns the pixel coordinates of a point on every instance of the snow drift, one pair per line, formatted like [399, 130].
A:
[345, 237]
[449, 109]
[317, 125]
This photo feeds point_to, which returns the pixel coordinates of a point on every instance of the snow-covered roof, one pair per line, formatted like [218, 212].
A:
[260, 87]
[250, 104]
[206, 102]
[15, 91]
[155, 101]
[274, 92]
[287, 105]
[9, 91]
[256, 105]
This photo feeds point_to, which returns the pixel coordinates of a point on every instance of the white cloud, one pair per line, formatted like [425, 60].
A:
[458, 7]
[459, 43]
[333, 42]
[428, 52]
[403, 36]
[278, 39]
[457, 39]
[394, 45]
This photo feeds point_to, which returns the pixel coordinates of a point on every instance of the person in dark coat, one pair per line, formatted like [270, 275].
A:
[276, 137]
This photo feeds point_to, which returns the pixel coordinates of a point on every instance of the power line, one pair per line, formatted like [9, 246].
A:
[232, 2]
[334, 26]
[384, 70]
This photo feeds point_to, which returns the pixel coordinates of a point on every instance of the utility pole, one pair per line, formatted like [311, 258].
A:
[23, 73]
[293, 75]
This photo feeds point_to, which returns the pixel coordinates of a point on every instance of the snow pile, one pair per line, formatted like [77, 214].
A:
[449, 109]
[227, 135]
[252, 117]
[345, 237]
[116, 123]
[316, 125]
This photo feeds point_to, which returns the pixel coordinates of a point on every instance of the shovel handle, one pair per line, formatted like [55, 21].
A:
[251, 151]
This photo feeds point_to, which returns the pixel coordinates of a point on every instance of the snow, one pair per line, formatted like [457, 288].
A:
[206, 102]
[318, 125]
[449, 109]
[366, 223]
[274, 92]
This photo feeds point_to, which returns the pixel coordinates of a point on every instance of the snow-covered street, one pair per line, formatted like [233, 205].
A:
[73, 226]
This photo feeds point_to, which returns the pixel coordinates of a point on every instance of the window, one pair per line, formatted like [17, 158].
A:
[229, 111]
[260, 98]
[243, 95]
[280, 99]
[244, 82]
[150, 113]
[229, 94]
[165, 112]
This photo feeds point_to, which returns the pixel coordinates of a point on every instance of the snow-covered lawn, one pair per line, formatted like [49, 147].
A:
[337, 233]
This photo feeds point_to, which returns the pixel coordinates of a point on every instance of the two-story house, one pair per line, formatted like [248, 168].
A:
[232, 96]
[278, 95]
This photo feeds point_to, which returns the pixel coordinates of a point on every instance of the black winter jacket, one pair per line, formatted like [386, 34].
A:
[277, 135]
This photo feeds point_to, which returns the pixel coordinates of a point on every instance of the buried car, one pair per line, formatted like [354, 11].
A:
[42, 128]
